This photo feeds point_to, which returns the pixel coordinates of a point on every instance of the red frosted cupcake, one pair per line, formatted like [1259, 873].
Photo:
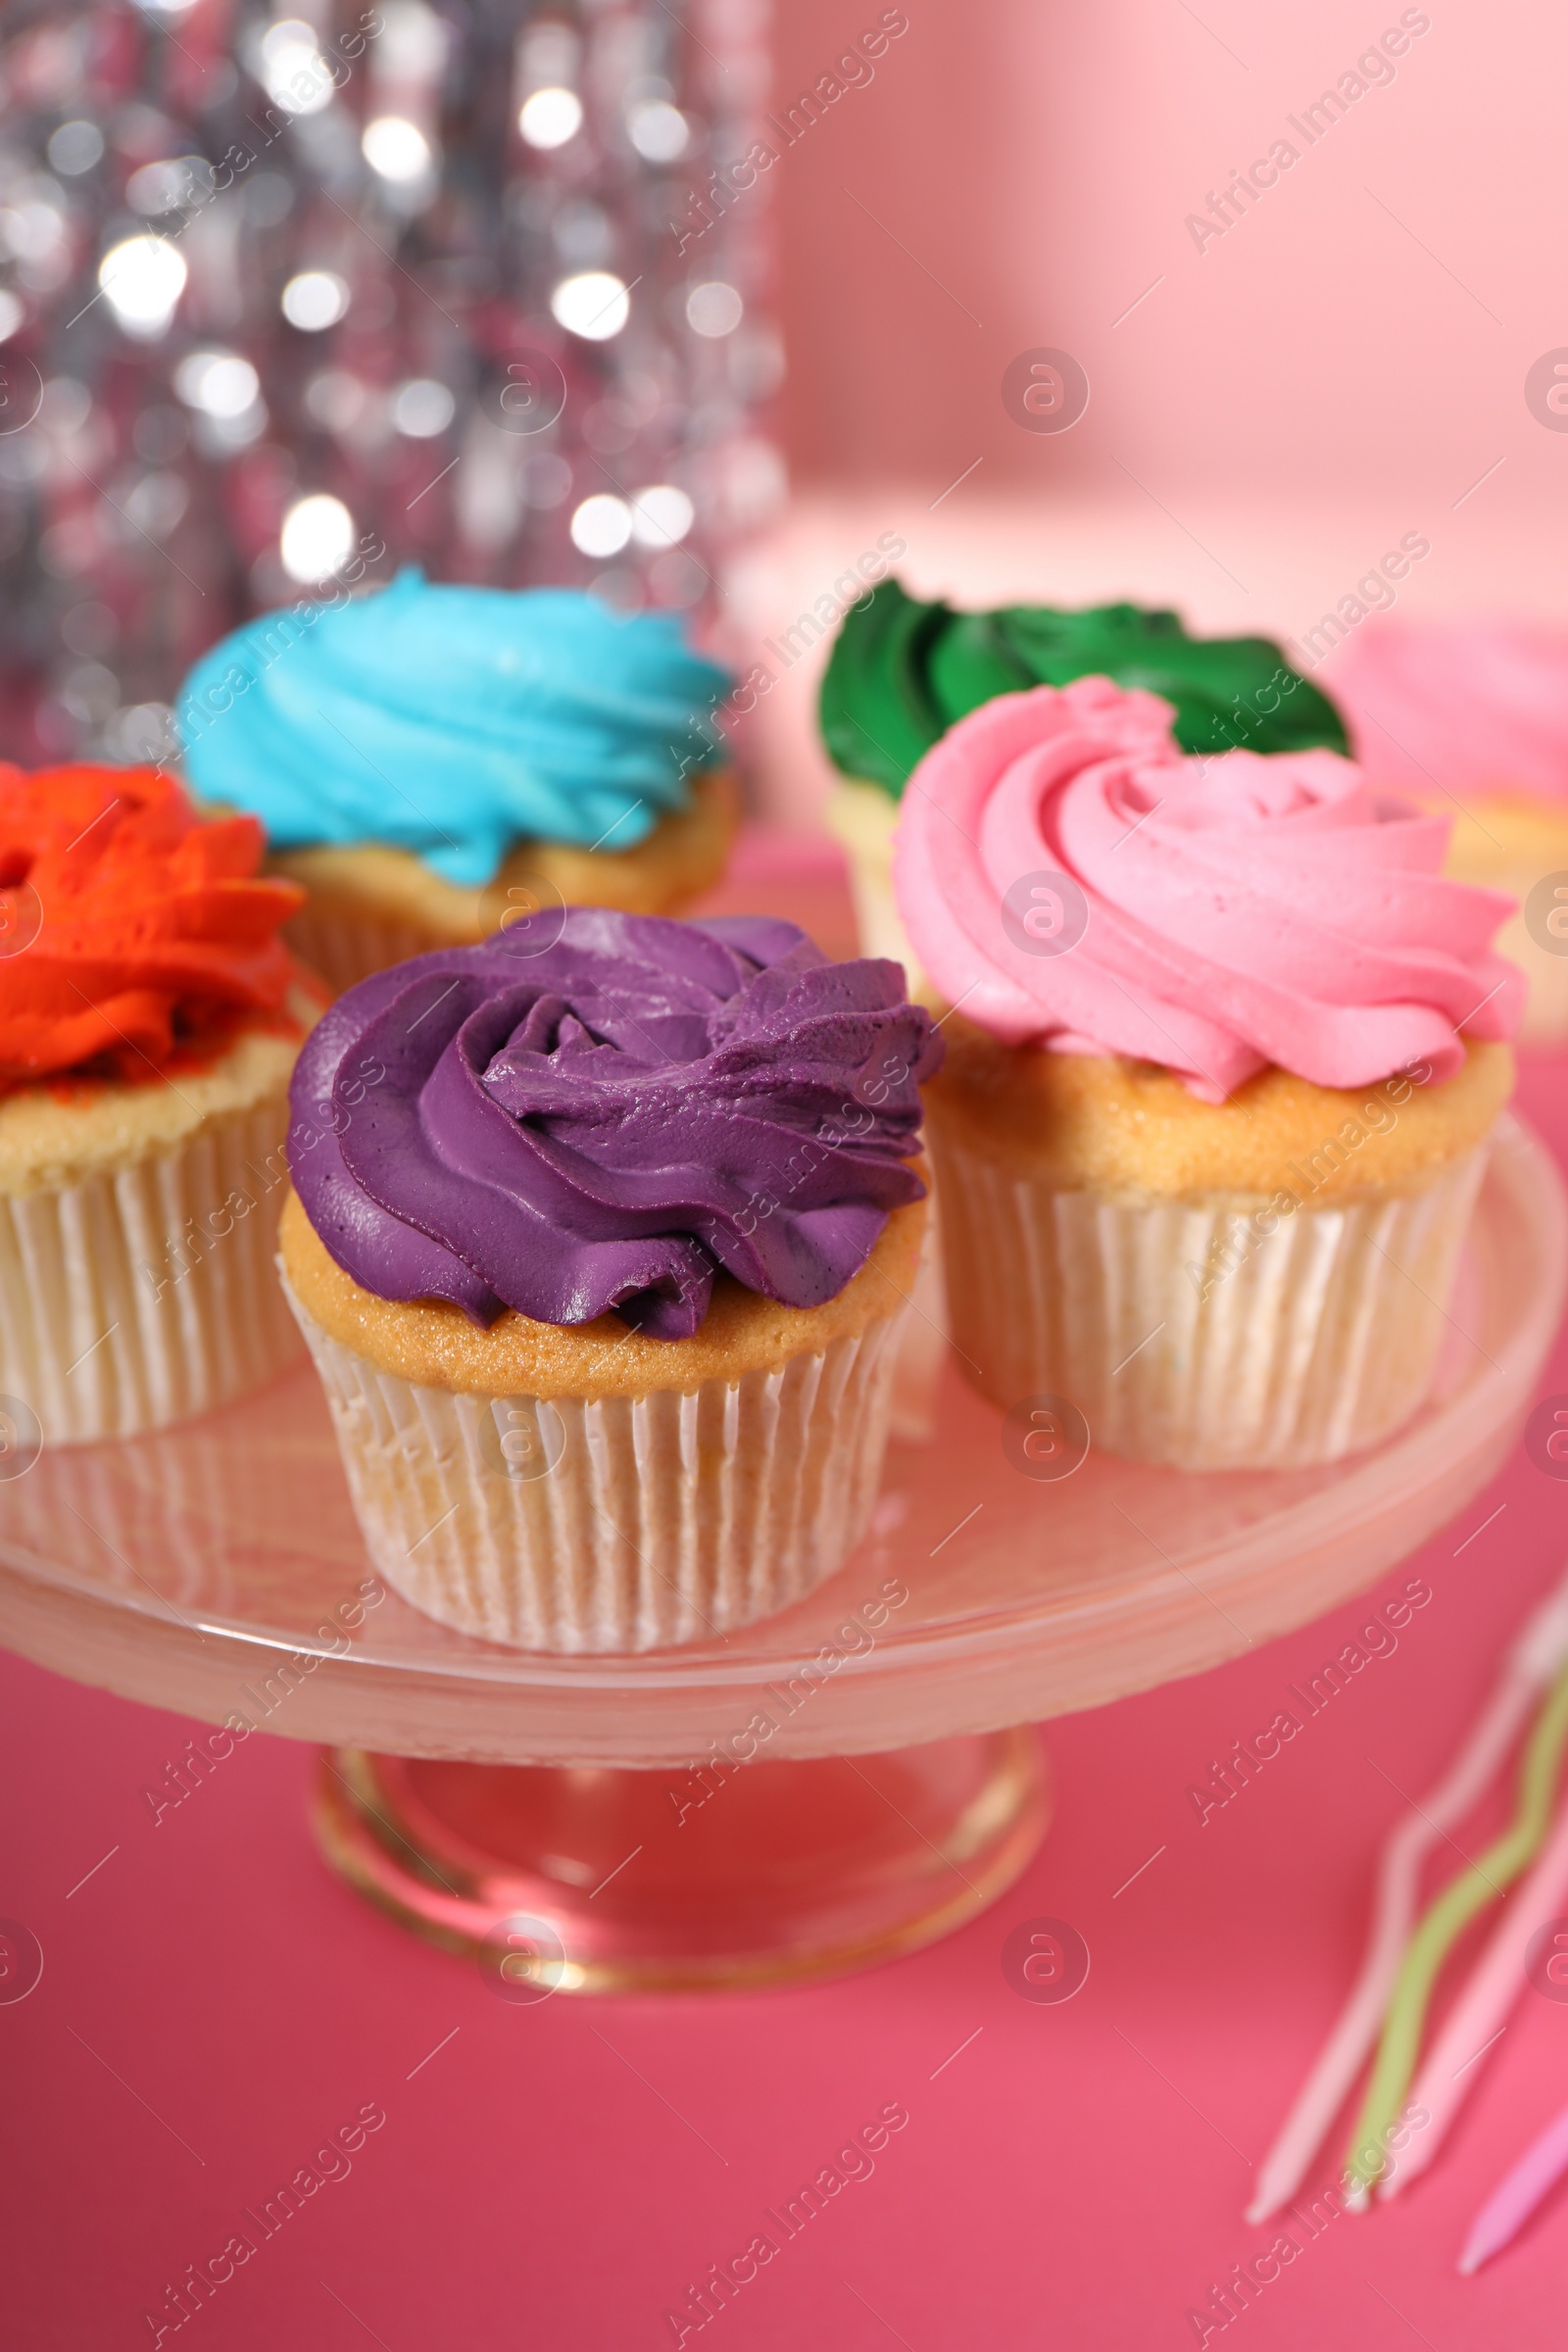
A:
[150, 1017]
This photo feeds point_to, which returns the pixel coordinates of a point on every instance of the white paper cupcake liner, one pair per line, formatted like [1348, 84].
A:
[139, 1297]
[863, 818]
[622, 1523]
[878, 923]
[922, 1347]
[1546, 1021]
[344, 950]
[1319, 1341]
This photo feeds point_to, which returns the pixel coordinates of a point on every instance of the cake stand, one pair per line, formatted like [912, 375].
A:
[834, 1786]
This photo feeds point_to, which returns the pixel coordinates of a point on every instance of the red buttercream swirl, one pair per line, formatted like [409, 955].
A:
[133, 935]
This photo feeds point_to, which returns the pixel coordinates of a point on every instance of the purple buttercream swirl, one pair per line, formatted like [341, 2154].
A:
[603, 1110]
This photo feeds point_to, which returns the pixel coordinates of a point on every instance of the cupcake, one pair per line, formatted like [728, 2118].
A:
[603, 1280]
[1471, 720]
[434, 763]
[150, 1018]
[1218, 1091]
[902, 672]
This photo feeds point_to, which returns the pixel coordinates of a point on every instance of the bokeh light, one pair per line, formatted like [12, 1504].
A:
[595, 304]
[143, 280]
[549, 117]
[318, 536]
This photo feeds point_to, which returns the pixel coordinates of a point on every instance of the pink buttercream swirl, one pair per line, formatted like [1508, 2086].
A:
[1234, 912]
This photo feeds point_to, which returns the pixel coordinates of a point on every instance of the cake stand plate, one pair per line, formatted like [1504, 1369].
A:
[835, 1785]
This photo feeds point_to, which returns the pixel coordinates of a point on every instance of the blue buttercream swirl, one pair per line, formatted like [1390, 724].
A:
[452, 721]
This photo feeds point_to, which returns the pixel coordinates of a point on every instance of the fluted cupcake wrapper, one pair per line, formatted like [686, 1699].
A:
[141, 1296]
[1183, 1337]
[616, 1523]
[346, 948]
[923, 1345]
[1546, 1017]
[864, 817]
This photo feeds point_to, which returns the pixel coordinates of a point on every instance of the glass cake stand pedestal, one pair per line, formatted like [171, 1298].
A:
[837, 1785]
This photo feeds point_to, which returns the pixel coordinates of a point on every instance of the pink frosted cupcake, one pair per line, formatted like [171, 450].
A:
[1471, 720]
[1224, 1060]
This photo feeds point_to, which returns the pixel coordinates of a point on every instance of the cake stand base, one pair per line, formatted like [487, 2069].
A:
[589, 1880]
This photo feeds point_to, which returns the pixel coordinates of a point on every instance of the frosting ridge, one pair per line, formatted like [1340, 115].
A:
[452, 721]
[901, 670]
[603, 1110]
[1234, 912]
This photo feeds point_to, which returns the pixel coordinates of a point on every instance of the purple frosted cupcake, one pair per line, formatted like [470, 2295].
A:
[600, 1237]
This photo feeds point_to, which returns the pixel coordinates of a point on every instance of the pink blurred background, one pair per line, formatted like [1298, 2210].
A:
[1347, 362]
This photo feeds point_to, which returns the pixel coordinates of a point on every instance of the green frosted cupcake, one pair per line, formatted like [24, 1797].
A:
[902, 672]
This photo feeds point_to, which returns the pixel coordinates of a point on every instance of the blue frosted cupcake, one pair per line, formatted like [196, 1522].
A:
[434, 762]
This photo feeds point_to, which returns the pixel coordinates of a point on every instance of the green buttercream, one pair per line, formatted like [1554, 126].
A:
[902, 671]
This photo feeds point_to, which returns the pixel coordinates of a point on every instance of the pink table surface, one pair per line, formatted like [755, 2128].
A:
[214, 2004]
